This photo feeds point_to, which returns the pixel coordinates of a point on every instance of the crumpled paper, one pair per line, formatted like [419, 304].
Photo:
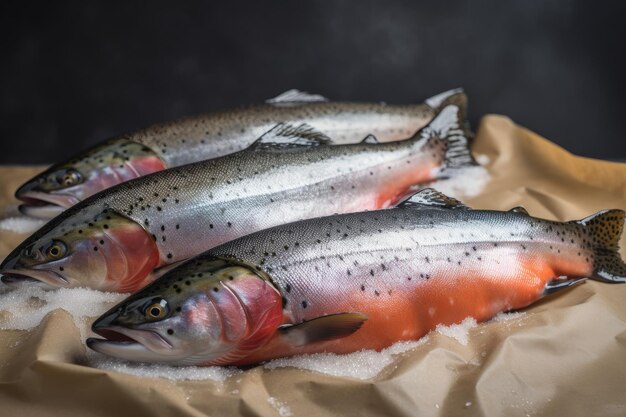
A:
[564, 356]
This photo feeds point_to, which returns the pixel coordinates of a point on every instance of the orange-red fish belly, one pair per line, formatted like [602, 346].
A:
[397, 189]
[443, 299]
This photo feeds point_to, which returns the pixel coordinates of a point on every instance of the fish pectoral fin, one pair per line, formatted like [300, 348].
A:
[294, 97]
[431, 198]
[288, 136]
[370, 140]
[323, 328]
[561, 283]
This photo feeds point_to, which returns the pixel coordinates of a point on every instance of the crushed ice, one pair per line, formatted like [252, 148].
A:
[364, 364]
[281, 408]
[465, 182]
[21, 224]
[460, 331]
[24, 307]
[509, 316]
[153, 370]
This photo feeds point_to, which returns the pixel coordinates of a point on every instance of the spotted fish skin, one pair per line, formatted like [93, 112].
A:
[402, 271]
[217, 134]
[222, 133]
[410, 269]
[291, 173]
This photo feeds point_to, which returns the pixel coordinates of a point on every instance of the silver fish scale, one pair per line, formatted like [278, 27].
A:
[195, 207]
[221, 133]
[319, 263]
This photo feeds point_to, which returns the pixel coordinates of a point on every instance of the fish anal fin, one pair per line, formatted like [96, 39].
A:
[284, 136]
[561, 283]
[429, 197]
[332, 326]
[295, 97]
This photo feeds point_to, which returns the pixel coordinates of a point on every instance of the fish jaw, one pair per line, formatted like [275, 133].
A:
[131, 351]
[44, 205]
[46, 279]
[127, 336]
[131, 344]
[17, 270]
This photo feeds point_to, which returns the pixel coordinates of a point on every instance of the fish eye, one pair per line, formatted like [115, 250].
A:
[67, 177]
[71, 177]
[56, 249]
[157, 310]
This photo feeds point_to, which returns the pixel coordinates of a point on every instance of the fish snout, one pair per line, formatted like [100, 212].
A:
[33, 185]
[10, 262]
[105, 321]
[21, 257]
[20, 267]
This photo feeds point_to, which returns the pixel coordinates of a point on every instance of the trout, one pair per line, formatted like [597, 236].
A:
[216, 134]
[115, 240]
[357, 281]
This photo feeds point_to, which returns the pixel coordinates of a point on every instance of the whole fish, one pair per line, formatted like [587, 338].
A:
[216, 134]
[356, 281]
[114, 240]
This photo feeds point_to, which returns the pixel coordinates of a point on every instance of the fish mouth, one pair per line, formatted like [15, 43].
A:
[16, 277]
[130, 344]
[44, 205]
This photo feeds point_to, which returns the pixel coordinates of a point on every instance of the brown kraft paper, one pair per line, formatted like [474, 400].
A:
[564, 356]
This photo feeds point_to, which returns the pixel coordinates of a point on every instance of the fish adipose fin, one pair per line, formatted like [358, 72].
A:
[295, 97]
[605, 229]
[284, 136]
[446, 127]
[323, 328]
[370, 140]
[431, 198]
[519, 209]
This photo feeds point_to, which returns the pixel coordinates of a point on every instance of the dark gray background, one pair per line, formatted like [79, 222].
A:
[77, 72]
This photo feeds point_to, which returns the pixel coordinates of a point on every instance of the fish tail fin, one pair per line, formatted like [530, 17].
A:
[444, 132]
[605, 229]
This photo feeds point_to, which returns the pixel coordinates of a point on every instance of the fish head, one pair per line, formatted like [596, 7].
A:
[65, 184]
[91, 247]
[210, 310]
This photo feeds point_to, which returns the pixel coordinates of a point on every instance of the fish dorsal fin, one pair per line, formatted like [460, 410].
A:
[295, 97]
[519, 209]
[288, 136]
[429, 197]
[329, 327]
[371, 140]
